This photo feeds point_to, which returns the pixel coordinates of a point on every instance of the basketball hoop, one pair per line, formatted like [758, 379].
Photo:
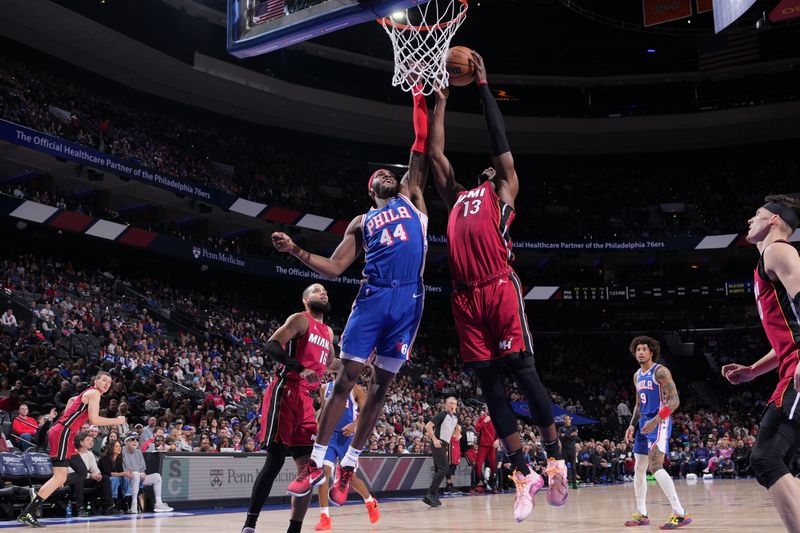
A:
[421, 43]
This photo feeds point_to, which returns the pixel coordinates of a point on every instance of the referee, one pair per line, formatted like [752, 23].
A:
[440, 430]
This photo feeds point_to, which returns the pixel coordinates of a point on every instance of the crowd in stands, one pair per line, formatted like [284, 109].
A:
[664, 197]
[200, 390]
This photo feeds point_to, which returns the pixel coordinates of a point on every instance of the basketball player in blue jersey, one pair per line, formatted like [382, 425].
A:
[650, 429]
[342, 437]
[388, 308]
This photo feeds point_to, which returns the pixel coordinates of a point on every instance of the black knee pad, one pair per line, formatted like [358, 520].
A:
[494, 394]
[522, 367]
[276, 456]
[300, 451]
[768, 467]
[503, 418]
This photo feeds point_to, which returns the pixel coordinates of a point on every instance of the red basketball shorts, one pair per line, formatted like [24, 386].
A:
[287, 414]
[490, 320]
[62, 446]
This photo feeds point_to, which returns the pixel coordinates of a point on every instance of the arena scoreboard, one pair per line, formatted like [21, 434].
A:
[651, 292]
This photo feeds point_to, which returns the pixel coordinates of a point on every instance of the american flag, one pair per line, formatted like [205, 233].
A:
[267, 10]
[727, 49]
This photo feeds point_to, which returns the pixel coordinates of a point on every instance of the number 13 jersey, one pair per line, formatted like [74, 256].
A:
[478, 235]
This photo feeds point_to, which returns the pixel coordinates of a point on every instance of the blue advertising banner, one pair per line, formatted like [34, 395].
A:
[41, 142]
[521, 408]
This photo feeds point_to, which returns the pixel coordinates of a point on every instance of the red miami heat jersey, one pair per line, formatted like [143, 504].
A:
[76, 414]
[310, 350]
[478, 237]
[781, 323]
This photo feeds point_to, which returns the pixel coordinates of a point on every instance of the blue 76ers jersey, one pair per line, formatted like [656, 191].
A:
[395, 241]
[649, 392]
[350, 407]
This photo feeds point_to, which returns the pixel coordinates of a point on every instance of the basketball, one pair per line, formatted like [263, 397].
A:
[459, 66]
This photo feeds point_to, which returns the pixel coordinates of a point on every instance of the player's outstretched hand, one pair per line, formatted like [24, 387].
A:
[480, 67]
[442, 94]
[121, 420]
[310, 376]
[630, 433]
[736, 373]
[282, 242]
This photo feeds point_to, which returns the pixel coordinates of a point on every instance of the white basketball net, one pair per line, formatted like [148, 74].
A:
[421, 44]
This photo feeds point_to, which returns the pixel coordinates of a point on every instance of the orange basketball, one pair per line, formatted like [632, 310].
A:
[459, 66]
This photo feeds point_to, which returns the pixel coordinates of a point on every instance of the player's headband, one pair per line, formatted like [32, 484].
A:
[375, 175]
[788, 214]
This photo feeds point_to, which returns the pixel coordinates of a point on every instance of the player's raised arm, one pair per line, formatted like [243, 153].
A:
[443, 176]
[503, 161]
[413, 182]
[344, 255]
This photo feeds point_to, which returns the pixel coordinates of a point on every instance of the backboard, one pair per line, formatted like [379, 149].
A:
[260, 26]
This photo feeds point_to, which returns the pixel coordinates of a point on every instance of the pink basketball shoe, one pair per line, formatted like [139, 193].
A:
[557, 491]
[527, 486]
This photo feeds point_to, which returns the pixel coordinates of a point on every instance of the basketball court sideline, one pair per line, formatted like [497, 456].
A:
[720, 506]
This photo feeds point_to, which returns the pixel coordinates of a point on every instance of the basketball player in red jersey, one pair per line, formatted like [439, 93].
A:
[80, 409]
[777, 290]
[302, 345]
[487, 299]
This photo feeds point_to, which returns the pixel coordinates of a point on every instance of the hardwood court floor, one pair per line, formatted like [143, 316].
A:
[722, 506]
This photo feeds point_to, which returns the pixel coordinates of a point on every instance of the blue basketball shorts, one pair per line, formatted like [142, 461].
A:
[385, 317]
[337, 448]
[658, 437]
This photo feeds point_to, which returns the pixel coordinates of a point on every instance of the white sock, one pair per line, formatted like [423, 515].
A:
[351, 457]
[324, 510]
[368, 499]
[318, 455]
[640, 483]
[665, 481]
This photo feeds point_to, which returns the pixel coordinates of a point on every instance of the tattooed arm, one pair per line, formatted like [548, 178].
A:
[669, 397]
[670, 391]
[629, 434]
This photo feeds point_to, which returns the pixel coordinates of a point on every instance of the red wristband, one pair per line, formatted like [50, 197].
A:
[664, 412]
[483, 82]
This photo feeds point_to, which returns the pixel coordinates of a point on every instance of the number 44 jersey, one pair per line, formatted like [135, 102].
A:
[395, 241]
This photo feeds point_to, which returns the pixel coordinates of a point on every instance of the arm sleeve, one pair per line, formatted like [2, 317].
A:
[420, 124]
[494, 121]
[277, 353]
